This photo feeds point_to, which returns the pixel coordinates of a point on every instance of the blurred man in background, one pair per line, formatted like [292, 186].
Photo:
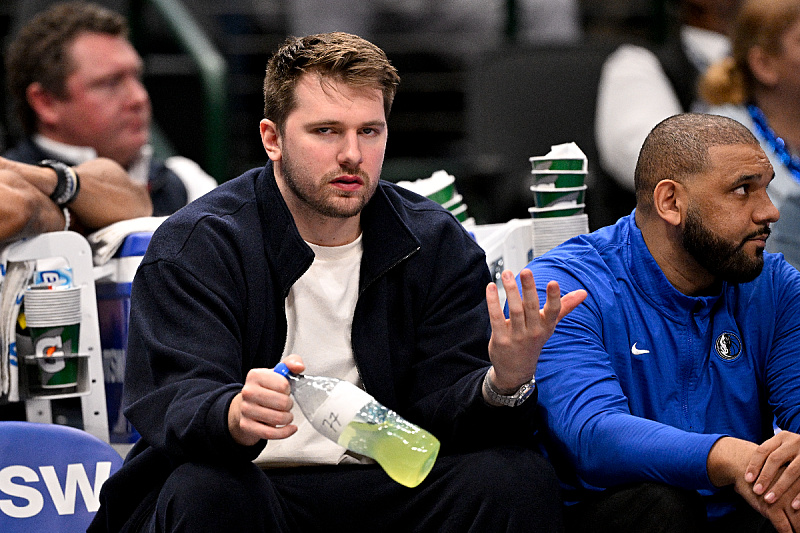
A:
[76, 84]
[639, 86]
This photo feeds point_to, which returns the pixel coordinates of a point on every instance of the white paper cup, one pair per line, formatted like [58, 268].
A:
[52, 307]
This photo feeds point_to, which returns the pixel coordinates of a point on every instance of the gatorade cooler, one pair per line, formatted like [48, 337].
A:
[113, 309]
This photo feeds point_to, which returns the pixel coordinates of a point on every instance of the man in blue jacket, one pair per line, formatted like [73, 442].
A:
[314, 261]
[660, 391]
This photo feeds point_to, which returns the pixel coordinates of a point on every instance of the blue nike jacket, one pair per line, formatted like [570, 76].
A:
[640, 381]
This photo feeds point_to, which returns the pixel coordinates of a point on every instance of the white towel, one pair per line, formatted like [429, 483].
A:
[106, 241]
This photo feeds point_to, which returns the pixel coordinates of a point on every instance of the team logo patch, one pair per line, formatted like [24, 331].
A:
[728, 346]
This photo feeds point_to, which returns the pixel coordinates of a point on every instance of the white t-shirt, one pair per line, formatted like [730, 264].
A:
[319, 314]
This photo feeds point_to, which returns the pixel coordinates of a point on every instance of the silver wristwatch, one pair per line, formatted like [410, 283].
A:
[513, 400]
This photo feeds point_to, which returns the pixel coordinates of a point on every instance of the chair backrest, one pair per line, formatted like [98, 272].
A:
[50, 477]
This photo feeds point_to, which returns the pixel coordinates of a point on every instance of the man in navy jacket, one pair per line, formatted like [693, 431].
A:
[314, 261]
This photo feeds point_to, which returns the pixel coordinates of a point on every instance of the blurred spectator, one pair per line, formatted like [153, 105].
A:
[760, 87]
[639, 87]
[76, 82]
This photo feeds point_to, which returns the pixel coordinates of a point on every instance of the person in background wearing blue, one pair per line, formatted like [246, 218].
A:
[314, 260]
[659, 392]
[759, 85]
[75, 80]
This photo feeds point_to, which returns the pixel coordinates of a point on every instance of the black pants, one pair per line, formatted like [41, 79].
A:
[502, 489]
[655, 508]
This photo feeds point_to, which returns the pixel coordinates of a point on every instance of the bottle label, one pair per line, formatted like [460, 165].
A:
[339, 409]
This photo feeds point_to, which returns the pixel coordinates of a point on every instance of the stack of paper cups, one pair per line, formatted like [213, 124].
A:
[559, 182]
[440, 187]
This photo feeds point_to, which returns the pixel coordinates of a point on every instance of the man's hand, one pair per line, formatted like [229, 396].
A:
[765, 476]
[781, 511]
[774, 468]
[263, 409]
[517, 341]
[24, 210]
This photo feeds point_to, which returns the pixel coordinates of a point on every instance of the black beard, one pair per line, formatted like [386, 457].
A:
[722, 259]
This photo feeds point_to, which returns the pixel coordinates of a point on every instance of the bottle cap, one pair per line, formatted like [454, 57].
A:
[283, 370]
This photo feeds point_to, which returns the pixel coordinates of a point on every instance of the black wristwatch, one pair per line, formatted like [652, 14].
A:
[67, 185]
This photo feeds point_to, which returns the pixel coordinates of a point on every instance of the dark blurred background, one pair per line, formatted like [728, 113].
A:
[485, 84]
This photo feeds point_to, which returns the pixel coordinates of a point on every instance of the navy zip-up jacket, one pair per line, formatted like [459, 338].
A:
[208, 305]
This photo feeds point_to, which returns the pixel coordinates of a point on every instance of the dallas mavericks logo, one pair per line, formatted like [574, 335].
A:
[728, 346]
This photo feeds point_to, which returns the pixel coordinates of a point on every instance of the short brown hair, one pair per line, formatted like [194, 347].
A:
[337, 55]
[677, 148]
[39, 52]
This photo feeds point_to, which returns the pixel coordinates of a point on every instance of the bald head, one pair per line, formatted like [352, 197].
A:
[677, 149]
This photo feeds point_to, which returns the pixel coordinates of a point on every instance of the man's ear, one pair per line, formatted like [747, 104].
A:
[270, 139]
[43, 103]
[762, 65]
[669, 201]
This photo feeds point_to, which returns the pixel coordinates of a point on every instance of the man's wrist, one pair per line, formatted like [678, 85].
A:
[727, 460]
[512, 398]
[67, 182]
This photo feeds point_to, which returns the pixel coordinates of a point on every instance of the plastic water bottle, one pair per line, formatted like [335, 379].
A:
[352, 418]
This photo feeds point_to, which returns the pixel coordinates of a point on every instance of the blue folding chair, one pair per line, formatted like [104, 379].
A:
[50, 477]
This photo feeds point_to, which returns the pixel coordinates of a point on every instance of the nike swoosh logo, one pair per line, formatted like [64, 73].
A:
[637, 351]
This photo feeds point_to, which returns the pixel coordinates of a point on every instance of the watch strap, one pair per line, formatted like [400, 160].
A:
[67, 182]
[513, 400]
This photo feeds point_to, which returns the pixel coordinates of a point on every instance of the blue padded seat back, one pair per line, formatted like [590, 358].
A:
[50, 477]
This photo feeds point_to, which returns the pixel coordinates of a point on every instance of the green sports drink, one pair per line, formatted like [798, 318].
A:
[352, 418]
[405, 451]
